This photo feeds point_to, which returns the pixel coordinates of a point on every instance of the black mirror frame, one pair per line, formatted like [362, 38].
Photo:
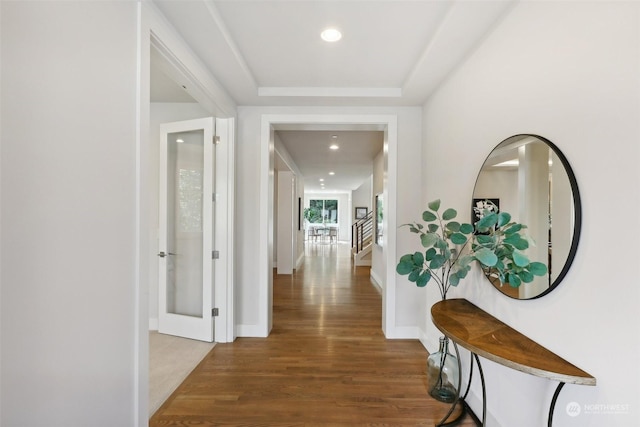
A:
[577, 206]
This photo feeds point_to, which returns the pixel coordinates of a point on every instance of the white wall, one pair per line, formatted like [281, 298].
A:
[362, 197]
[68, 226]
[568, 71]
[160, 113]
[378, 267]
[284, 221]
[298, 235]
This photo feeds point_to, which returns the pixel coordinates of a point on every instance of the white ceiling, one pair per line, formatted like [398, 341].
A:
[352, 163]
[392, 52]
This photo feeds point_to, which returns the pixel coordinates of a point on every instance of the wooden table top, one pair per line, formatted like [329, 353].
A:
[486, 336]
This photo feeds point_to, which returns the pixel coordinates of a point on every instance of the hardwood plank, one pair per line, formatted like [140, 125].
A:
[326, 361]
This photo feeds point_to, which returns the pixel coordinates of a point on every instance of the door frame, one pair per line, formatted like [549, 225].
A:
[152, 26]
[381, 122]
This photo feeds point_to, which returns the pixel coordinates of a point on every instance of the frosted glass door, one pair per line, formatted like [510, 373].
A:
[186, 229]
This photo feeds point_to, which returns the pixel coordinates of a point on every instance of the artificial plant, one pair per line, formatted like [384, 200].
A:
[494, 241]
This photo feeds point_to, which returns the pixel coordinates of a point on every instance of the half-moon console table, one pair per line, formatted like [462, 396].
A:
[484, 335]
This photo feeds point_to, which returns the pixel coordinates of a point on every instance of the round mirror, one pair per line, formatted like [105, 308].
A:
[529, 177]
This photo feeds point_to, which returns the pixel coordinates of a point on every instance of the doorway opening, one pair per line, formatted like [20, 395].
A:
[383, 268]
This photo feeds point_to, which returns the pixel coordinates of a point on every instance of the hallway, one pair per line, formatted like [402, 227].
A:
[326, 361]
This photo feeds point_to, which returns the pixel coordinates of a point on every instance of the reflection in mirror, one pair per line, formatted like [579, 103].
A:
[529, 177]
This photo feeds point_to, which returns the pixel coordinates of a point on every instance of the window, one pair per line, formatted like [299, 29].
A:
[323, 211]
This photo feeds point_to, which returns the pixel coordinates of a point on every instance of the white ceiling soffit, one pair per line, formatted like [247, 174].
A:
[393, 52]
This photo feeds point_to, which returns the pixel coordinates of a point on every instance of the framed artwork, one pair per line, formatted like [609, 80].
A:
[361, 212]
[479, 205]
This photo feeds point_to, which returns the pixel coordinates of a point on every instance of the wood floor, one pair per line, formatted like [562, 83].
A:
[326, 362]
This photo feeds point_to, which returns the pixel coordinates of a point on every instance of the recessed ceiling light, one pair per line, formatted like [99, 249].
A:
[321, 179]
[331, 35]
[179, 140]
[332, 173]
[333, 146]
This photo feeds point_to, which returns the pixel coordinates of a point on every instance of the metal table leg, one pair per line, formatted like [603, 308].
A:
[484, 391]
[553, 403]
[457, 399]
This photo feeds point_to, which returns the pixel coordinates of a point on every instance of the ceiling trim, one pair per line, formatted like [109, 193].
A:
[424, 55]
[346, 92]
[189, 69]
[242, 63]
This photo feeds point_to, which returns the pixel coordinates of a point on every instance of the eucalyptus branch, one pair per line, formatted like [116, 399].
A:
[495, 243]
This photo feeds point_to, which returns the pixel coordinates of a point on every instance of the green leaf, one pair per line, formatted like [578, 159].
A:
[414, 275]
[538, 268]
[429, 239]
[517, 241]
[404, 267]
[437, 262]
[454, 280]
[423, 279]
[428, 216]
[453, 226]
[526, 276]
[418, 258]
[513, 229]
[503, 218]
[416, 228]
[406, 258]
[514, 280]
[458, 238]
[520, 259]
[485, 239]
[486, 257]
[434, 205]
[429, 254]
[487, 221]
[462, 272]
[433, 228]
[449, 214]
[441, 244]
[466, 228]
[446, 253]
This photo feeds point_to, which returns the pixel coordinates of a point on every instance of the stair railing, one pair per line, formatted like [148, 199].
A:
[362, 232]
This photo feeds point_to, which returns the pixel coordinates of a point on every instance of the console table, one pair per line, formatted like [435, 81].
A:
[484, 335]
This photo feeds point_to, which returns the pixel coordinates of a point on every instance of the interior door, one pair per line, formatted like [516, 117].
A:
[186, 229]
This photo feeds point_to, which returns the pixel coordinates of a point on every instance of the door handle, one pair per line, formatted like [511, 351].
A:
[163, 254]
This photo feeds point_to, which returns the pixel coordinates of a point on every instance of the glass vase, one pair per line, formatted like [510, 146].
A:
[442, 373]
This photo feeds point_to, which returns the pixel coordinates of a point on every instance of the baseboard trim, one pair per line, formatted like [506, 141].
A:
[402, 332]
[153, 324]
[375, 279]
[250, 331]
